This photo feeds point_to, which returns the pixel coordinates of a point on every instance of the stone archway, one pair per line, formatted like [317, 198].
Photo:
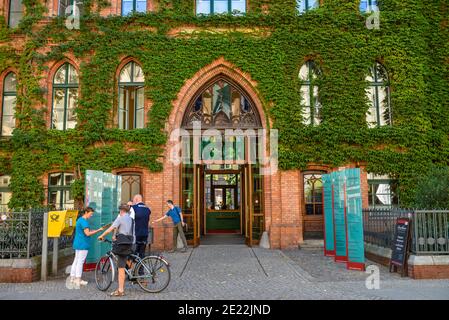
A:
[224, 71]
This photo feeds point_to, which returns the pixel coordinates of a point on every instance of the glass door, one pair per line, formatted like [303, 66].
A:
[248, 203]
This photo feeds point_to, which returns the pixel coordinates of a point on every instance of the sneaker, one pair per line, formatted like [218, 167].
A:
[83, 283]
[184, 249]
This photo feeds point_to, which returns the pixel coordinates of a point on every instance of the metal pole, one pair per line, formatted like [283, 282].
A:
[44, 248]
[29, 234]
[55, 256]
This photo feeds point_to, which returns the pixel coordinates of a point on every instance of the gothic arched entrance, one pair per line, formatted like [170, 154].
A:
[222, 141]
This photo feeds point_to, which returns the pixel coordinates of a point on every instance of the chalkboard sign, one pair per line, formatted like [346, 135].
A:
[401, 243]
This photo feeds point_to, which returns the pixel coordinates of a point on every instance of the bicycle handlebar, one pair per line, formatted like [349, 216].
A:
[106, 240]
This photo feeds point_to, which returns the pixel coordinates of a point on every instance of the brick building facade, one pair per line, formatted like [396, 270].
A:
[284, 214]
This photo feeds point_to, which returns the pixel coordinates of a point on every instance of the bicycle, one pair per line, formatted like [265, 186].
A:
[147, 271]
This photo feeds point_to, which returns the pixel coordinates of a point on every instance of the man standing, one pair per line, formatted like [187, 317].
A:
[141, 215]
[175, 214]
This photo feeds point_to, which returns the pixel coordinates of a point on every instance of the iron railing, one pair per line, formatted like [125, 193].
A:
[431, 232]
[21, 235]
[430, 229]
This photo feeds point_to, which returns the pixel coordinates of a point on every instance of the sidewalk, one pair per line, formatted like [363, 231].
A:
[237, 272]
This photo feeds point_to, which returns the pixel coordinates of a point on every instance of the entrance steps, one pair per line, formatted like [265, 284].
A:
[312, 244]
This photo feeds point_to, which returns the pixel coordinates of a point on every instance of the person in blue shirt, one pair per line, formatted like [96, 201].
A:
[141, 215]
[81, 245]
[175, 214]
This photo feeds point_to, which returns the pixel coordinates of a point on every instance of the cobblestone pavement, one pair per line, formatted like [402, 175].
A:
[238, 272]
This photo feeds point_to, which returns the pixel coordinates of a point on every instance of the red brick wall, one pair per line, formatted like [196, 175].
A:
[12, 275]
[429, 272]
[283, 191]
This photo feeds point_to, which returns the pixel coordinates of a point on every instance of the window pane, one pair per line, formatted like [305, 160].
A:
[5, 197]
[130, 187]
[140, 112]
[138, 74]
[4, 181]
[8, 120]
[68, 179]
[222, 99]
[141, 6]
[63, 4]
[125, 74]
[55, 198]
[15, 13]
[71, 105]
[73, 75]
[371, 116]
[317, 106]
[239, 5]
[304, 73]
[122, 109]
[221, 6]
[69, 202]
[127, 7]
[10, 83]
[314, 4]
[363, 5]
[203, 6]
[60, 75]
[301, 4]
[55, 179]
[58, 109]
[382, 98]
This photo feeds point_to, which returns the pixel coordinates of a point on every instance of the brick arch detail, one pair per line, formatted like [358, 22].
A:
[202, 77]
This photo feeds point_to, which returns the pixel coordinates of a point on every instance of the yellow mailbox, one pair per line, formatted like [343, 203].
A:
[61, 223]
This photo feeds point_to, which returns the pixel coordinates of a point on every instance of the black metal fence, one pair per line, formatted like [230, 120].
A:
[21, 235]
[430, 229]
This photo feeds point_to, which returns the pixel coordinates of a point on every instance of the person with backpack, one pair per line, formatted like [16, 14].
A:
[175, 214]
[123, 240]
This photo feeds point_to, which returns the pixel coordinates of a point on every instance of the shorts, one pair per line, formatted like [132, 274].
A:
[121, 261]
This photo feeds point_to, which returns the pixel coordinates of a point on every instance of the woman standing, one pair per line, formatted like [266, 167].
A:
[81, 245]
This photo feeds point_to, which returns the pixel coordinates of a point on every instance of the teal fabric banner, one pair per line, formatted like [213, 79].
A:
[354, 216]
[329, 241]
[338, 180]
[103, 194]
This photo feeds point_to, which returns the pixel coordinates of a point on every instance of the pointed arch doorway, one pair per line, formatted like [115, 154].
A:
[221, 188]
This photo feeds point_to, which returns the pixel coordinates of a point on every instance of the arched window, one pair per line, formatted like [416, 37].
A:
[222, 104]
[65, 97]
[8, 104]
[378, 93]
[15, 13]
[131, 113]
[130, 6]
[313, 193]
[220, 6]
[308, 76]
[367, 6]
[306, 5]
[131, 185]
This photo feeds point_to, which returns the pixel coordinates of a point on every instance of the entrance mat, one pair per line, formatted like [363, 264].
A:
[222, 231]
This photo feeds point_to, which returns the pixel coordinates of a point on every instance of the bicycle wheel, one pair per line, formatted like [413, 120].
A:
[152, 274]
[104, 273]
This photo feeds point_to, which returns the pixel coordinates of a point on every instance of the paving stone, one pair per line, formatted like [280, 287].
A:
[237, 272]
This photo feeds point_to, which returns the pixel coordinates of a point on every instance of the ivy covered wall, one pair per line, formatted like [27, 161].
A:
[412, 43]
